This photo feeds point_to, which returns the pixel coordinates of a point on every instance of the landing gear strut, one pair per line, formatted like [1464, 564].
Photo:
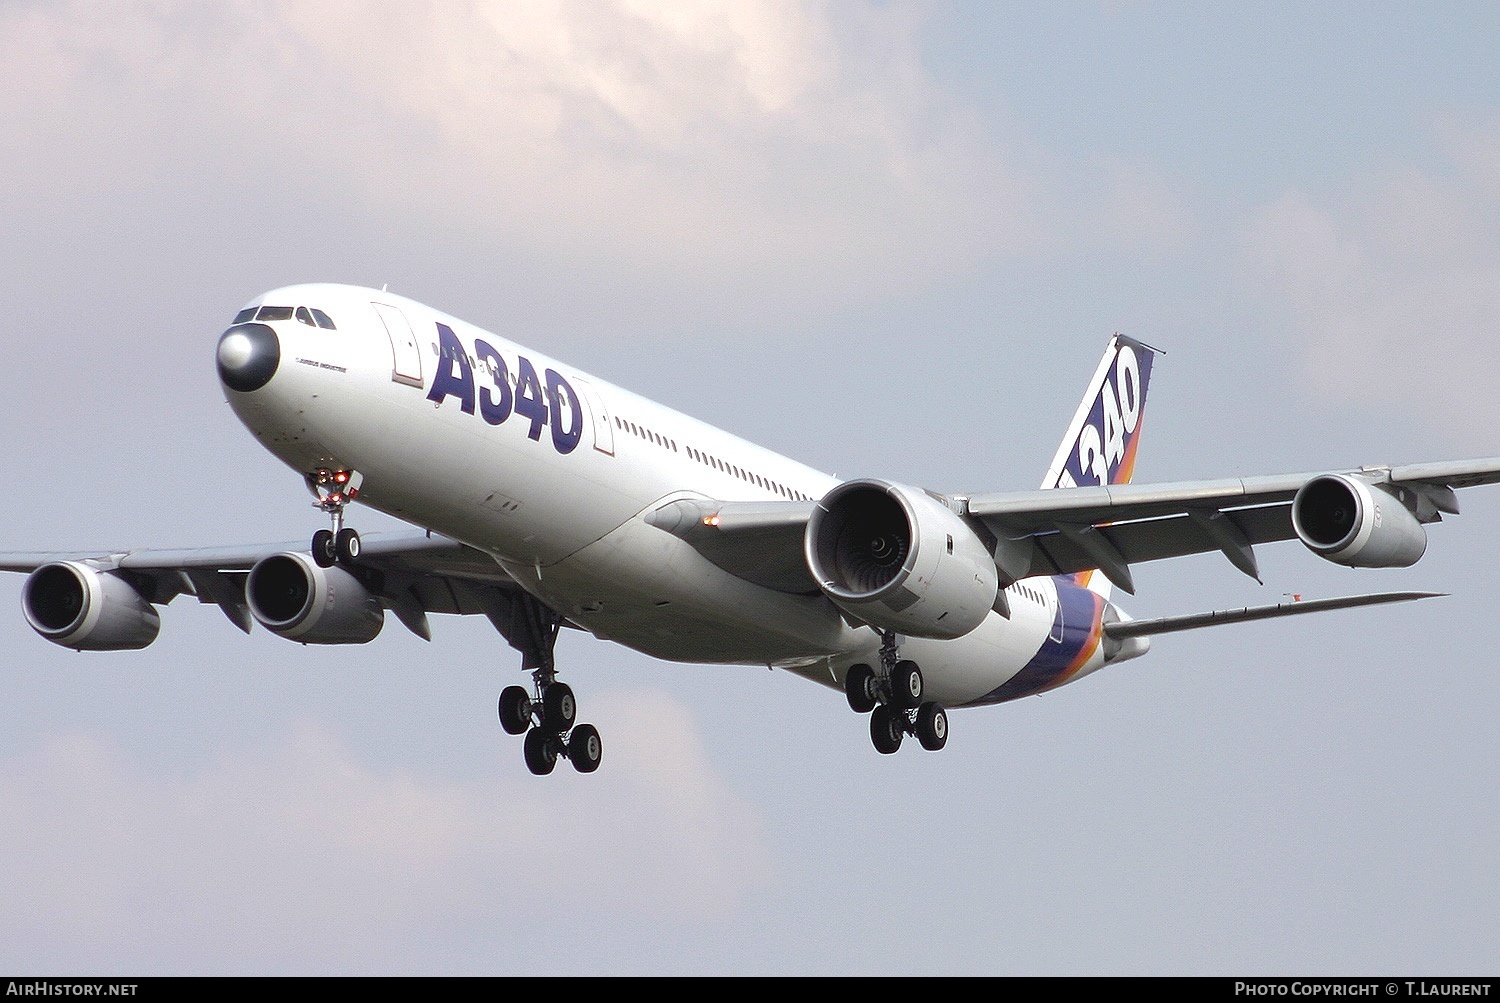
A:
[334, 489]
[546, 715]
[893, 699]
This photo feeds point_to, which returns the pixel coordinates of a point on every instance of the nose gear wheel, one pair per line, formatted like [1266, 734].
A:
[334, 490]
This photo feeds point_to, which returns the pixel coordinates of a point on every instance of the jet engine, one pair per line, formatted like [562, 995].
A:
[1357, 524]
[79, 607]
[900, 560]
[292, 597]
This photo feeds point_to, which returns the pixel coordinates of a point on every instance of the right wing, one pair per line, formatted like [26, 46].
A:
[410, 573]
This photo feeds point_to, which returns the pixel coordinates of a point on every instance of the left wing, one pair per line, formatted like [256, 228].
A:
[1112, 527]
[1372, 516]
[1087, 517]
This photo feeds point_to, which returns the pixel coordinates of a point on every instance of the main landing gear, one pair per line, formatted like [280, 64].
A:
[546, 718]
[893, 699]
[546, 715]
[334, 489]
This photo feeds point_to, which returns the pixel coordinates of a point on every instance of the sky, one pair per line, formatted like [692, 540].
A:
[887, 239]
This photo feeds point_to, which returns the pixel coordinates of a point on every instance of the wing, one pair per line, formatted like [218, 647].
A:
[760, 542]
[1110, 528]
[1064, 531]
[412, 574]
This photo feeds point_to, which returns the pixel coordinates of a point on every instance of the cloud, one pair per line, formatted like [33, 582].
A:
[1391, 293]
[715, 142]
[299, 851]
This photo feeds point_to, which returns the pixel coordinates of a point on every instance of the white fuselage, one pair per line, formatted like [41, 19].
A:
[553, 472]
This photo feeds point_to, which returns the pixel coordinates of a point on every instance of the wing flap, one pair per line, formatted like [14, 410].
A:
[1057, 553]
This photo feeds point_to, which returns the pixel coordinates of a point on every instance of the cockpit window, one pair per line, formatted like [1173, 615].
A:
[309, 315]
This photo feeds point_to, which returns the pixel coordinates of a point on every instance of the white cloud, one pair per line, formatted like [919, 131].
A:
[729, 142]
[1392, 293]
[298, 850]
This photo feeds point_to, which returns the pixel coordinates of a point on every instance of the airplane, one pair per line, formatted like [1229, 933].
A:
[545, 498]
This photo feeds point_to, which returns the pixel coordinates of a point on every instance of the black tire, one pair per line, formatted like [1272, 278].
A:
[906, 685]
[859, 687]
[584, 748]
[559, 708]
[886, 729]
[932, 726]
[515, 710]
[541, 753]
[346, 546]
[324, 554]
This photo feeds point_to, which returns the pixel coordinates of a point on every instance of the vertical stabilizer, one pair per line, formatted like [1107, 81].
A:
[1100, 445]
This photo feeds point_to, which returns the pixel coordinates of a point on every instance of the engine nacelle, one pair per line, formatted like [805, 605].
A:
[292, 597]
[79, 607]
[900, 560]
[1360, 525]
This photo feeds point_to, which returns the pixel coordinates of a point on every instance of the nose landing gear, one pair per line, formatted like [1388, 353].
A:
[893, 699]
[334, 489]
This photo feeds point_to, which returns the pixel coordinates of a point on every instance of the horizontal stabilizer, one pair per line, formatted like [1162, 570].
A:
[1169, 624]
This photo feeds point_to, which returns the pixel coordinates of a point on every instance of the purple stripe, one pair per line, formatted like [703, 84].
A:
[1077, 621]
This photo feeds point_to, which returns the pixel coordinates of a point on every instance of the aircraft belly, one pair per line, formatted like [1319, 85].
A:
[1038, 648]
[963, 670]
[650, 591]
[1069, 650]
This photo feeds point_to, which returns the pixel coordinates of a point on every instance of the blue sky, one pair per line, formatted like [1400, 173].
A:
[886, 239]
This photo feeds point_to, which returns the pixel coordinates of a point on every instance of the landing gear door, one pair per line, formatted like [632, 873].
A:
[407, 365]
[604, 433]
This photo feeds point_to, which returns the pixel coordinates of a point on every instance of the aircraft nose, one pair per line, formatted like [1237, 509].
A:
[248, 356]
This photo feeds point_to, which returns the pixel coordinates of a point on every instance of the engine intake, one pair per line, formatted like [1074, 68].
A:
[1357, 524]
[292, 597]
[79, 607]
[900, 560]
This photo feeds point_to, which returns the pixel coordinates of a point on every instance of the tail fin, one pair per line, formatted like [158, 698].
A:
[1100, 445]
